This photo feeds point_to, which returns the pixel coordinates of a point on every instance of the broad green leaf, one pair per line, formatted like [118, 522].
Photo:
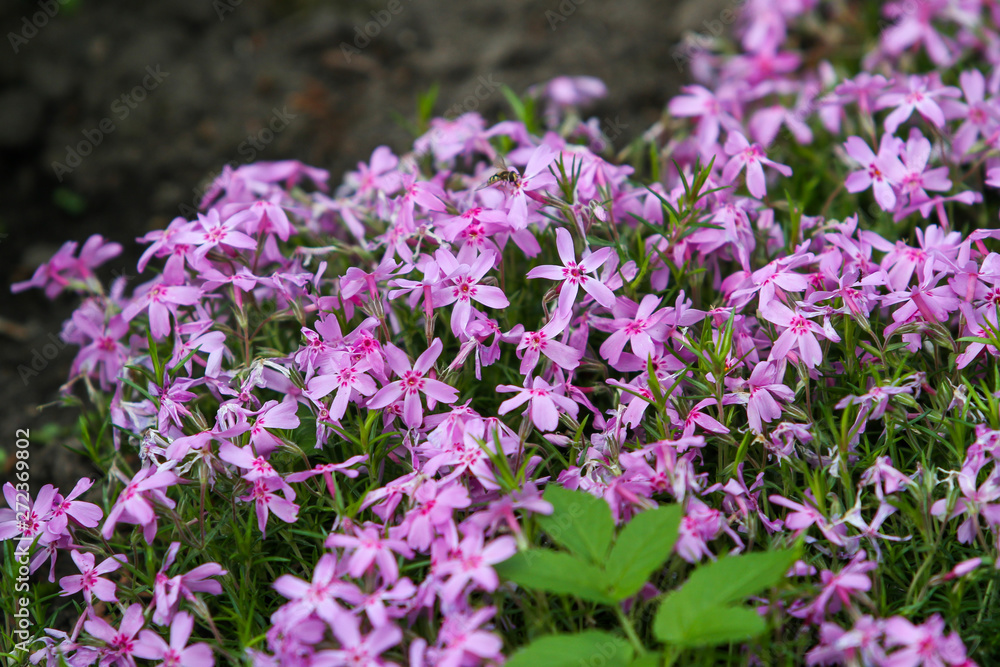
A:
[585, 648]
[647, 660]
[641, 548]
[556, 572]
[676, 623]
[580, 522]
[732, 579]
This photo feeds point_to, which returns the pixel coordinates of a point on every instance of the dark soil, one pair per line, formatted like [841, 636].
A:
[226, 70]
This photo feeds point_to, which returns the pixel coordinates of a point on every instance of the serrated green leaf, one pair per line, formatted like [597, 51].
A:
[555, 572]
[641, 548]
[571, 650]
[579, 522]
[676, 624]
[732, 579]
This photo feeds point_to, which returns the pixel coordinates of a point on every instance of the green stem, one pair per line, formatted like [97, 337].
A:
[630, 631]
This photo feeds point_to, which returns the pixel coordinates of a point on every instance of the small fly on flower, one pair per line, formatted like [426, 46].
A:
[504, 174]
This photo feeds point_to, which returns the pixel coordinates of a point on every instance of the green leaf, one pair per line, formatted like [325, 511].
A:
[585, 648]
[555, 572]
[579, 522]
[647, 660]
[732, 579]
[676, 624]
[641, 548]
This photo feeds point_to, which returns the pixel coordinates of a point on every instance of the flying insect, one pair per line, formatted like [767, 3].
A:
[504, 174]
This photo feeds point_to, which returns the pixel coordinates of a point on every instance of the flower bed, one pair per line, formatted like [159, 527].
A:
[729, 396]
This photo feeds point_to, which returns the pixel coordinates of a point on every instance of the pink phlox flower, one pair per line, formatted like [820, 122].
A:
[799, 332]
[380, 175]
[700, 524]
[914, 25]
[163, 241]
[573, 275]
[386, 604]
[318, 596]
[177, 653]
[564, 92]
[880, 172]
[63, 509]
[120, 644]
[753, 157]
[63, 268]
[927, 300]
[773, 281]
[637, 325]
[501, 510]
[432, 513]
[805, 515]
[168, 591]
[863, 89]
[462, 640]
[869, 531]
[973, 500]
[533, 344]
[884, 477]
[544, 402]
[923, 645]
[462, 286]
[474, 228]
[210, 232]
[981, 325]
[917, 178]
[266, 500]
[980, 115]
[536, 177]
[367, 547]
[711, 108]
[273, 415]
[473, 563]
[355, 280]
[839, 589]
[837, 646]
[101, 353]
[349, 380]
[918, 94]
[90, 580]
[762, 387]
[260, 217]
[161, 298]
[414, 380]
[744, 501]
[135, 503]
[698, 416]
[345, 468]
[200, 340]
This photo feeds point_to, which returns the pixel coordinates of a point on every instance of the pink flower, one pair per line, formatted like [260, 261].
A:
[881, 172]
[762, 386]
[462, 287]
[350, 381]
[357, 650]
[367, 546]
[161, 299]
[433, 513]
[90, 581]
[267, 501]
[544, 400]
[799, 332]
[121, 643]
[923, 645]
[918, 95]
[412, 383]
[209, 231]
[473, 563]
[134, 504]
[753, 157]
[175, 654]
[317, 596]
[574, 275]
[536, 177]
[542, 342]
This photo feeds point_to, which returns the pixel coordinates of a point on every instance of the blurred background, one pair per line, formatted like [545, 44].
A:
[115, 114]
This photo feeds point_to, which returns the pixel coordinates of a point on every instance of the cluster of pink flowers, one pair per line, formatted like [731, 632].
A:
[404, 290]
